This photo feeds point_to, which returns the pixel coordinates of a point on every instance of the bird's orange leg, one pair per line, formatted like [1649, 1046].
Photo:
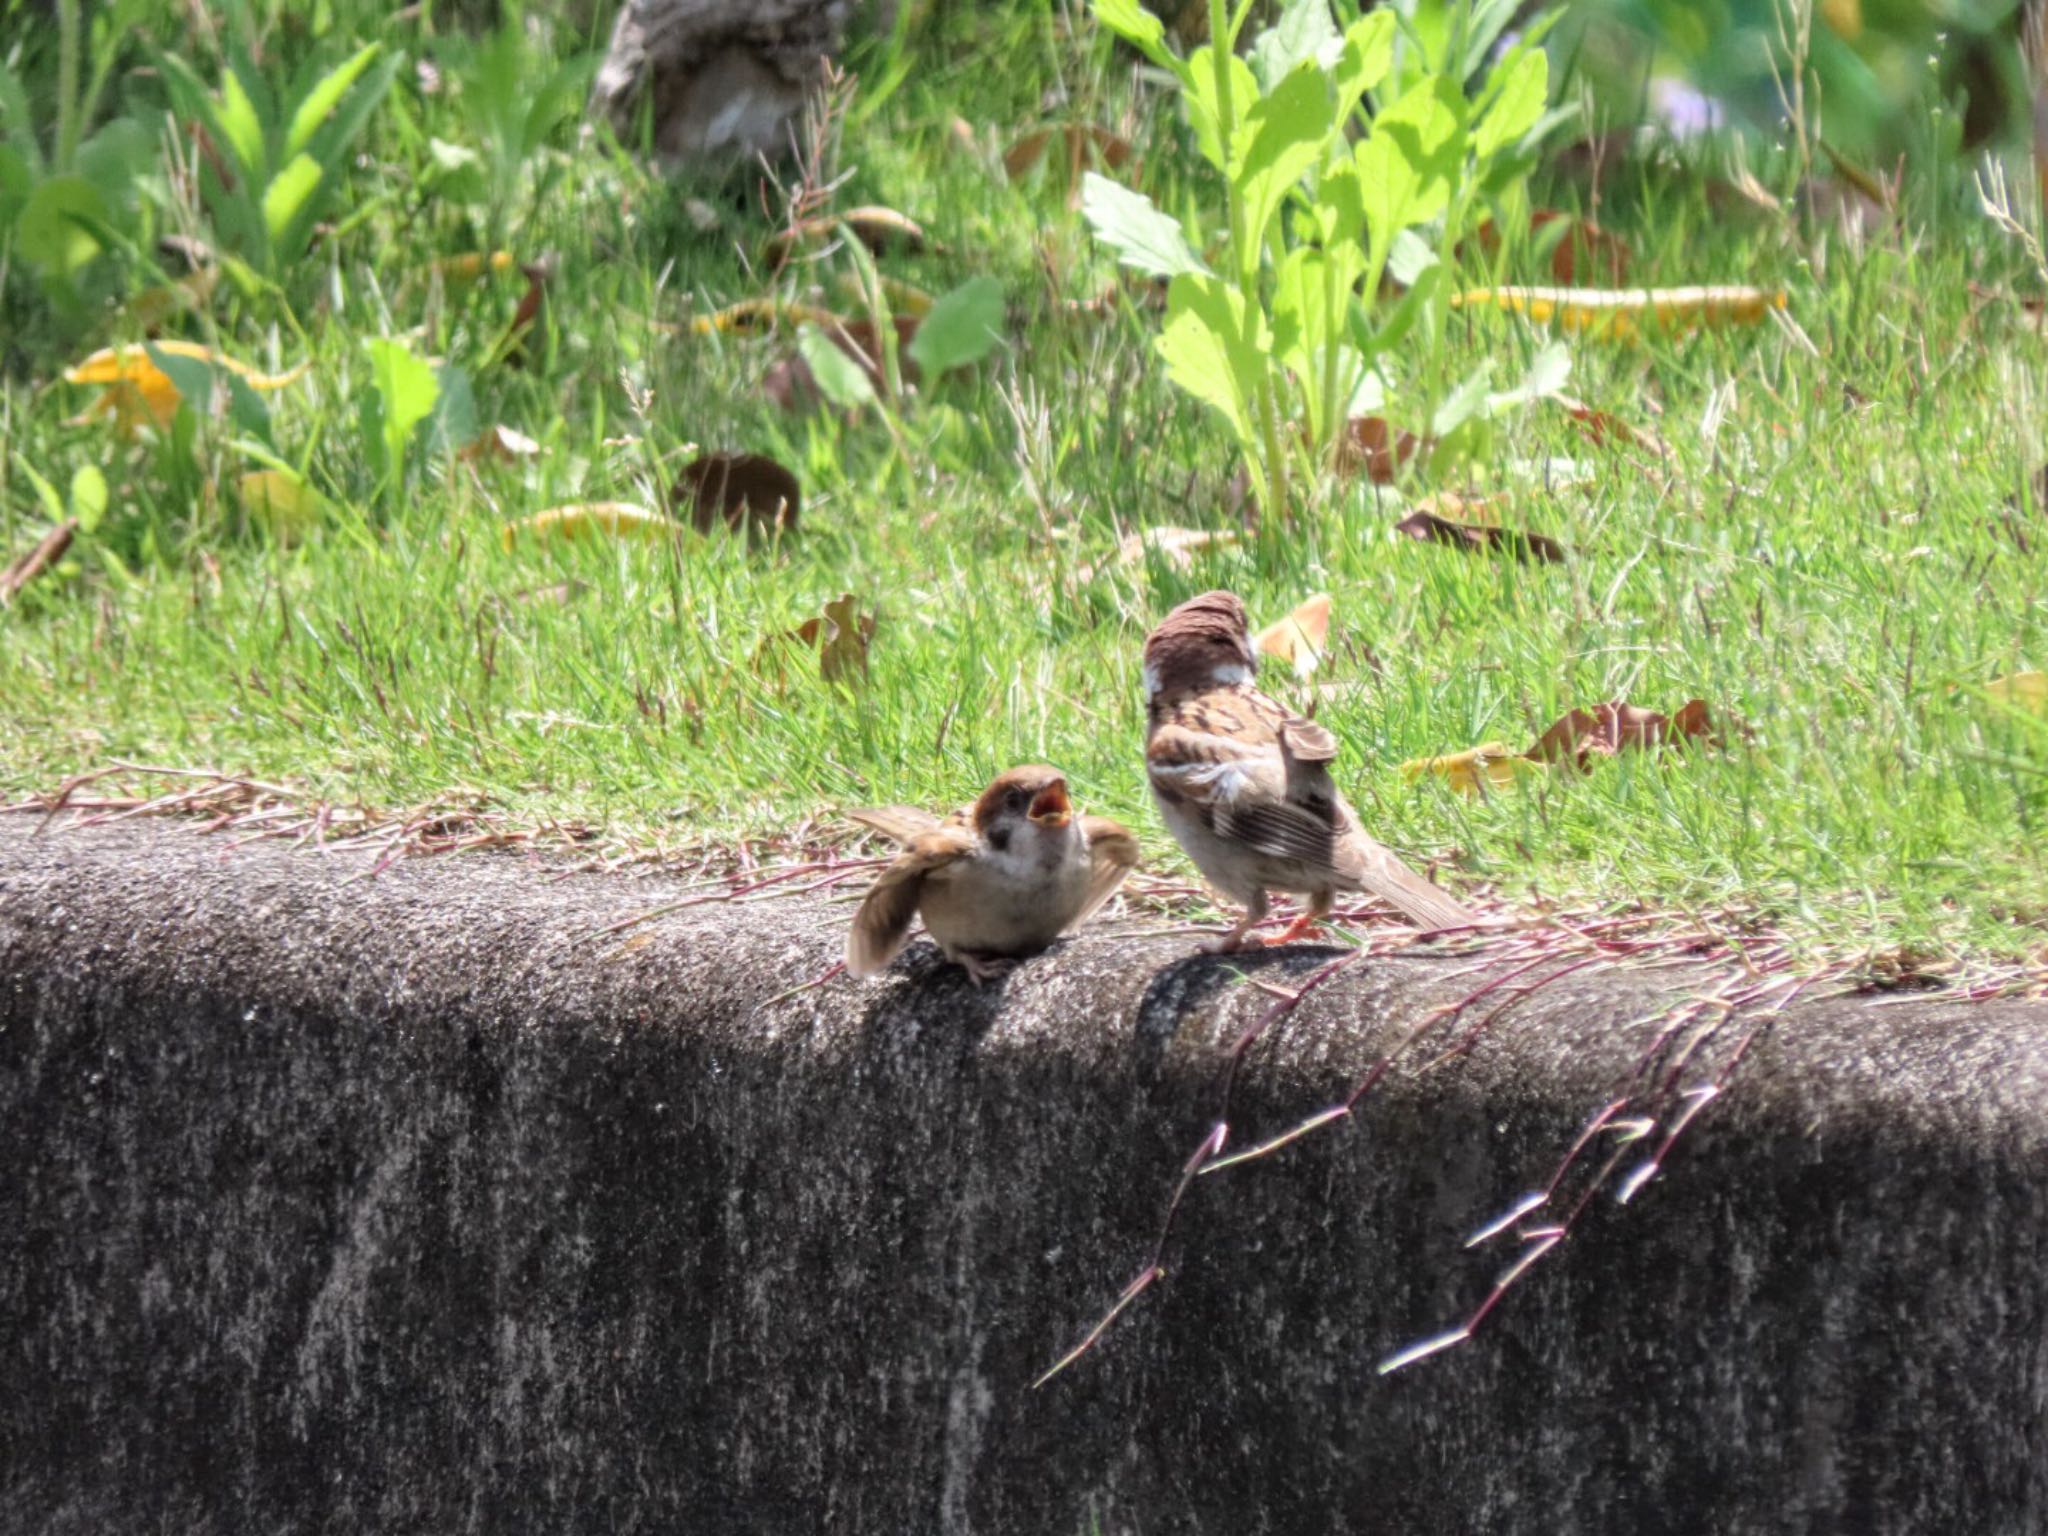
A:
[1304, 926]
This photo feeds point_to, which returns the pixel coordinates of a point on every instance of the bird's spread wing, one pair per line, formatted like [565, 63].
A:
[1112, 854]
[902, 824]
[883, 922]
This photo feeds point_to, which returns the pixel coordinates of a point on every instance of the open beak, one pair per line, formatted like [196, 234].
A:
[1050, 808]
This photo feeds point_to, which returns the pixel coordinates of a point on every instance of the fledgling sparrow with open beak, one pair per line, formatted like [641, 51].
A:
[1244, 785]
[995, 883]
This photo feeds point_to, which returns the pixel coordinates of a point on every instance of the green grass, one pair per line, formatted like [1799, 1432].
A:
[1837, 565]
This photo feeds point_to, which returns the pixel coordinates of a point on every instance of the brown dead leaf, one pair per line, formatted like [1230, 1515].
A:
[1608, 728]
[1301, 638]
[1603, 427]
[46, 552]
[1584, 251]
[1473, 523]
[500, 444]
[1085, 146]
[1373, 446]
[737, 488]
[840, 637]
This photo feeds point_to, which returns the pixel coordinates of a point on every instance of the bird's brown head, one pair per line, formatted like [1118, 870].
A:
[1033, 793]
[1204, 643]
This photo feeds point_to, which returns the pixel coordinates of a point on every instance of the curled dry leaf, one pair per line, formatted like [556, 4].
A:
[46, 552]
[1578, 738]
[1602, 428]
[1624, 314]
[1176, 546]
[1085, 147]
[137, 390]
[737, 488]
[587, 519]
[1373, 446]
[500, 444]
[840, 637]
[2022, 690]
[1608, 728]
[1471, 524]
[468, 266]
[752, 316]
[1584, 251]
[879, 229]
[1301, 638]
[1488, 765]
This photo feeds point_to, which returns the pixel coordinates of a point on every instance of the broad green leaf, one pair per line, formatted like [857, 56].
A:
[245, 407]
[1548, 370]
[1199, 96]
[1525, 85]
[323, 98]
[1408, 258]
[88, 496]
[117, 157]
[1205, 351]
[1367, 56]
[46, 493]
[1304, 33]
[960, 328]
[286, 196]
[843, 381]
[1289, 131]
[406, 390]
[1408, 165]
[238, 120]
[46, 232]
[1339, 207]
[561, 97]
[453, 426]
[1138, 27]
[194, 378]
[17, 183]
[15, 122]
[1138, 232]
[1489, 19]
[1395, 331]
[1465, 402]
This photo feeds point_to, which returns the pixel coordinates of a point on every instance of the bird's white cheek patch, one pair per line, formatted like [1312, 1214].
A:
[1151, 676]
[1231, 673]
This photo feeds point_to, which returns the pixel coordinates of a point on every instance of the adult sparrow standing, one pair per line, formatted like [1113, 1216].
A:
[994, 883]
[1244, 783]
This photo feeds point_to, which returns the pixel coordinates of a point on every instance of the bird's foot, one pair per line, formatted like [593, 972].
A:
[1303, 927]
[981, 969]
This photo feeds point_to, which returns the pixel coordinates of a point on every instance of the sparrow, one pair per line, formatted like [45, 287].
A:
[994, 883]
[1244, 784]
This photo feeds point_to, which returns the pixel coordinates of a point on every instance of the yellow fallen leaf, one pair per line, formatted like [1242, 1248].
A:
[2022, 690]
[904, 298]
[1623, 313]
[621, 519]
[1301, 637]
[751, 315]
[1470, 773]
[137, 390]
[281, 503]
[468, 266]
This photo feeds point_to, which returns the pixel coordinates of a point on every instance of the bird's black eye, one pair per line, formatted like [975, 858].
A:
[1015, 800]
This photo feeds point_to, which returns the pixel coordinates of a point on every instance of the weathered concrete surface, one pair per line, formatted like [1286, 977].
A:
[403, 1205]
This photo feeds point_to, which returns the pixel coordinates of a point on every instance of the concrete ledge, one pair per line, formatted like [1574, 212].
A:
[400, 1204]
